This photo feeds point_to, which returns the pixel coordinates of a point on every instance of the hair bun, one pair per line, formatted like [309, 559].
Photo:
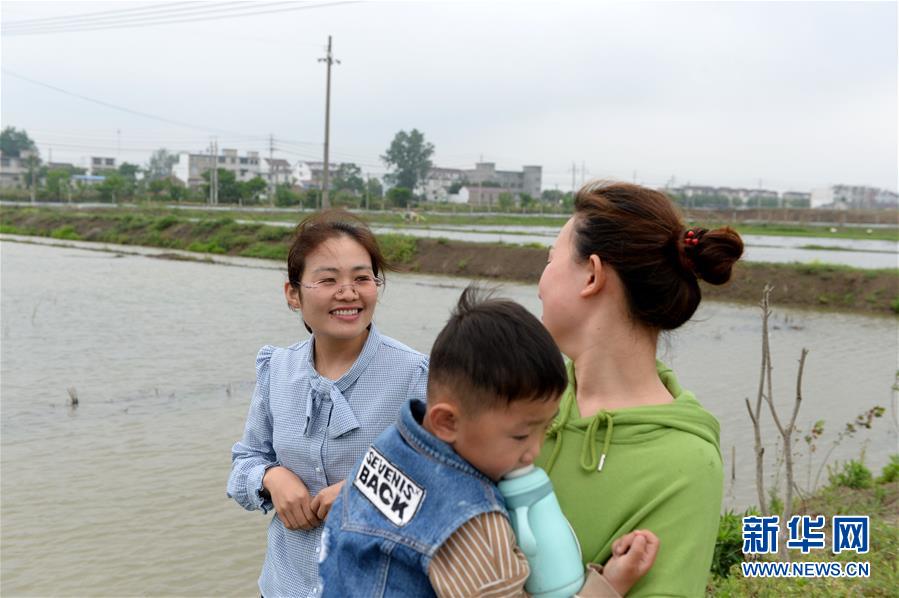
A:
[713, 256]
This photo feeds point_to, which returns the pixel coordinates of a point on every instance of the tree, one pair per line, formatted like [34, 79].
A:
[505, 200]
[285, 196]
[160, 164]
[57, 180]
[526, 200]
[229, 191]
[374, 188]
[13, 141]
[552, 196]
[250, 190]
[112, 188]
[348, 177]
[399, 197]
[456, 187]
[129, 173]
[409, 155]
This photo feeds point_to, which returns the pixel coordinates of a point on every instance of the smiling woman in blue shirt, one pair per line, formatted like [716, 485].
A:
[320, 403]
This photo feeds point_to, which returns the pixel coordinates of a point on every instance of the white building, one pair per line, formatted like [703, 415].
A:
[276, 171]
[853, 197]
[14, 170]
[190, 167]
[436, 186]
[100, 164]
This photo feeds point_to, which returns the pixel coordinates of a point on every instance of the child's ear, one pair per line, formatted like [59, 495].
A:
[442, 419]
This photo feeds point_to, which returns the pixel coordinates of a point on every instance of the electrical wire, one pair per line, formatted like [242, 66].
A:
[127, 23]
[121, 108]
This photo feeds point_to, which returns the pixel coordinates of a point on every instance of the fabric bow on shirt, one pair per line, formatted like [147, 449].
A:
[343, 419]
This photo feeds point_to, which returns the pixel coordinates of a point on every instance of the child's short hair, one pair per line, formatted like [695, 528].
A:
[492, 352]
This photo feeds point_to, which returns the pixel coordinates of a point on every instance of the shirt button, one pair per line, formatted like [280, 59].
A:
[318, 469]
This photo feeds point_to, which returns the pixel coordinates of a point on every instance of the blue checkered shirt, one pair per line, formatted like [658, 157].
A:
[319, 429]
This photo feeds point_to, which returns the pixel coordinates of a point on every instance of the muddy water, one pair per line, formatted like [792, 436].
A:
[126, 494]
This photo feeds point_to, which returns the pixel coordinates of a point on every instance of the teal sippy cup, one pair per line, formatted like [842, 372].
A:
[543, 534]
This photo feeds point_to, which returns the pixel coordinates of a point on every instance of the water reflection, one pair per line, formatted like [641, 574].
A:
[125, 495]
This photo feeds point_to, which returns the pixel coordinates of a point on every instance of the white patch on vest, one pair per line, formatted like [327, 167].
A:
[391, 491]
[323, 547]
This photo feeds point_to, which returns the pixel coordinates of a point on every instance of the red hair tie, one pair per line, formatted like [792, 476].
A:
[691, 238]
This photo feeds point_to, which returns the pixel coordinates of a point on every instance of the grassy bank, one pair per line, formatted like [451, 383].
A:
[462, 218]
[748, 222]
[852, 490]
[822, 286]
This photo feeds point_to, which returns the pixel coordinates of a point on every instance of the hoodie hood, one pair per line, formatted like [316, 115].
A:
[601, 431]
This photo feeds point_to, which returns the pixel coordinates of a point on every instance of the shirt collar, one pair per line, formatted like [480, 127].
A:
[343, 419]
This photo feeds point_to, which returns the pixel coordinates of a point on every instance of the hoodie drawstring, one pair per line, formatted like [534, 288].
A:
[588, 448]
[555, 432]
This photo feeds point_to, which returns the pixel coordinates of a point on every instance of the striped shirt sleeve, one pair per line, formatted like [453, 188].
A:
[480, 559]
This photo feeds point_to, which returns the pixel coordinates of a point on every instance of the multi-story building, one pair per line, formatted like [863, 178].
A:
[796, 199]
[276, 171]
[485, 176]
[100, 165]
[14, 169]
[189, 168]
[437, 185]
[528, 180]
[310, 175]
[736, 196]
[853, 196]
[486, 196]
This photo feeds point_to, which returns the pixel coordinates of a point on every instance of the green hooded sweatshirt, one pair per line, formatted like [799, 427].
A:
[655, 467]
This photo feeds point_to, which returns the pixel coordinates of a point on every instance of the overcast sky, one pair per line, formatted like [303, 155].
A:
[792, 96]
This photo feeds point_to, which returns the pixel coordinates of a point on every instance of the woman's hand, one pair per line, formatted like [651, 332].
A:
[632, 556]
[322, 502]
[291, 498]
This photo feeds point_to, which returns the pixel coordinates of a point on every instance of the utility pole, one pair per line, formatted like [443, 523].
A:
[583, 172]
[367, 188]
[215, 172]
[573, 175]
[32, 161]
[329, 60]
[211, 170]
[271, 169]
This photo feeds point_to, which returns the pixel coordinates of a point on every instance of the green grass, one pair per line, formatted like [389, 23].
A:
[398, 249]
[65, 232]
[851, 492]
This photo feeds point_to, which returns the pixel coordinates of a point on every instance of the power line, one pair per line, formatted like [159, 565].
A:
[131, 23]
[103, 14]
[122, 108]
[195, 9]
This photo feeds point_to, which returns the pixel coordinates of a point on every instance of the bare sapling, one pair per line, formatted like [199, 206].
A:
[766, 392]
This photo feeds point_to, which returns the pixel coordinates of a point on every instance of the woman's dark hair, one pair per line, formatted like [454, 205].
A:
[640, 234]
[318, 228]
[493, 352]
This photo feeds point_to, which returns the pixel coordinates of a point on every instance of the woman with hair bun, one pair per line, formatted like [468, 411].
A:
[630, 448]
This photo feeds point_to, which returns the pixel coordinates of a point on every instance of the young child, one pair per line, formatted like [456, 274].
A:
[422, 514]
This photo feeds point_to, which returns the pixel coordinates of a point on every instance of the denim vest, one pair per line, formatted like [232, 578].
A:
[410, 493]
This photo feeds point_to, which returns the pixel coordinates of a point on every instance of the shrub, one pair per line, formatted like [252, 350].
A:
[853, 474]
[398, 249]
[209, 247]
[890, 472]
[165, 222]
[729, 544]
[65, 232]
[266, 251]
